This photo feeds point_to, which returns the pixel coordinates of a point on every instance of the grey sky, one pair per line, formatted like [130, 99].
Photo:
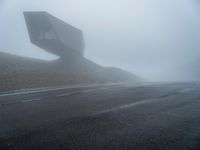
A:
[142, 36]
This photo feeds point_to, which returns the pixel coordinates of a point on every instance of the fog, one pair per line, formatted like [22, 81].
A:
[152, 39]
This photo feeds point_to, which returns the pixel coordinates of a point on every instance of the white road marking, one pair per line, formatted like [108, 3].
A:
[87, 91]
[126, 106]
[48, 89]
[22, 101]
[31, 100]
[186, 90]
[105, 88]
[65, 94]
[78, 92]
[9, 103]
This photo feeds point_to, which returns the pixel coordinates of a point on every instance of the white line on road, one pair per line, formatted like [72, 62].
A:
[65, 94]
[186, 90]
[125, 106]
[105, 88]
[87, 91]
[31, 100]
[48, 89]
[78, 92]
[9, 103]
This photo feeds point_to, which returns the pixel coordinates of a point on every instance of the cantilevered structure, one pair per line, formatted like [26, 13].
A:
[54, 35]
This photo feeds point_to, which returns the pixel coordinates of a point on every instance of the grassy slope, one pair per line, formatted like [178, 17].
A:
[20, 73]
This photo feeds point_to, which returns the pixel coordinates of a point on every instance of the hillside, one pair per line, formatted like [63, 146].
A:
[20, 73]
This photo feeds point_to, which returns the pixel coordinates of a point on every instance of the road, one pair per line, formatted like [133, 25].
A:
[157, 116]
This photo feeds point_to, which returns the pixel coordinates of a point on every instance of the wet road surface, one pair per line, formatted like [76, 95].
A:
[159, 116]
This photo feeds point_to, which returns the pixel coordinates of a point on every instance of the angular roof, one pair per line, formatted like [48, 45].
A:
[54, 35]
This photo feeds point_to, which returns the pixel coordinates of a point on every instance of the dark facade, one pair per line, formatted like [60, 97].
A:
[54, 35]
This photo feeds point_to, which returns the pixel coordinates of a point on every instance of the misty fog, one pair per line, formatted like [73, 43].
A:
[152, 39]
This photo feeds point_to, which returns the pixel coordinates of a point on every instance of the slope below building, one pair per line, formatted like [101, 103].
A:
[22, 73]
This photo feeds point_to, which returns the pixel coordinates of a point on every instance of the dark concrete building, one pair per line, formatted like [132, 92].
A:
[54, 35]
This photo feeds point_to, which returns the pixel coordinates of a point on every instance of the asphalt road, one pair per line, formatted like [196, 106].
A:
[114, 117]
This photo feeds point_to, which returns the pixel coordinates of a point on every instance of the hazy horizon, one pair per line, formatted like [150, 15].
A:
[149, 38]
